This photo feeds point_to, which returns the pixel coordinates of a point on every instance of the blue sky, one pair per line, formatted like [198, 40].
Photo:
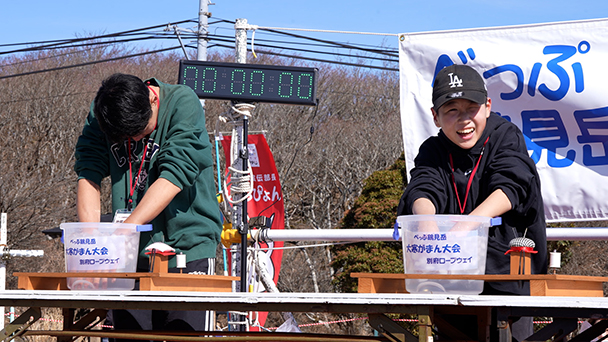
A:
[29, 21]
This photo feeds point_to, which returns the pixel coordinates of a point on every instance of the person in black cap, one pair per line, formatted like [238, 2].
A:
[478, 164]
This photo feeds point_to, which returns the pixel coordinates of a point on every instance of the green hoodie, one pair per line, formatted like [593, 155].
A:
[179, 151]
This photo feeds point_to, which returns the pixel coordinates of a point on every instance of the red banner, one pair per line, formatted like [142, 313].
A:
[266, 199]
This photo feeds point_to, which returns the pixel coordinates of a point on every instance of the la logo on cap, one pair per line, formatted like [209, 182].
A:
[454, 81]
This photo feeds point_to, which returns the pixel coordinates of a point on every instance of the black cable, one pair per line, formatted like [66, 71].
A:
[47, 57]
[89, 63]
[57, 44]
[348, 46]
[359, 46]
[311, 51]
[317, 60]
[336, 45]
[47, 97]
[53, 43]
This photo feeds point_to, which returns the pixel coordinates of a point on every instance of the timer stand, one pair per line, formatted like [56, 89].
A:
[244, 84]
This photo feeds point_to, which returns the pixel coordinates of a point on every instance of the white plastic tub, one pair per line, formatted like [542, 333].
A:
[444, 244]
[101, 247]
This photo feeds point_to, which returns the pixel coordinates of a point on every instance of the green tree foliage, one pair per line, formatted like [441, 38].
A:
[375, 208]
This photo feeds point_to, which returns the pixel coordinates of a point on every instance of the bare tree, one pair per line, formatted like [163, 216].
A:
[323, 153]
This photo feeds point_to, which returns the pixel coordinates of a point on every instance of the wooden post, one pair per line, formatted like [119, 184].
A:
[159, 263]
[521, 262]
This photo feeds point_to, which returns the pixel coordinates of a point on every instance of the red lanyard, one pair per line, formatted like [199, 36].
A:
[132, 185]
[466, 195]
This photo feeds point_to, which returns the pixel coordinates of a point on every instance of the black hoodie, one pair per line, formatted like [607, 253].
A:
[504, 165]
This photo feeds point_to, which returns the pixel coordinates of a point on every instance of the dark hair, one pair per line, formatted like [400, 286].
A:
[122, 107]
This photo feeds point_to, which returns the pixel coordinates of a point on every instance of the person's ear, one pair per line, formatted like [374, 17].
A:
[435, 119]
[488, 107]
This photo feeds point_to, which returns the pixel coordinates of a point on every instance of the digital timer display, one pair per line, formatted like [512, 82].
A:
[250, 82]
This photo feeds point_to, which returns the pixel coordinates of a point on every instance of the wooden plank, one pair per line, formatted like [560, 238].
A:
[486, 277]
[365, 285]
[540, 284]
[167, 283]
[380, 285]
[566, 288]
[148, 281]
[47, 283]
[133, 275]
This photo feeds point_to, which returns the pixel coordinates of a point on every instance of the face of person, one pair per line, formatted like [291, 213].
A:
[153, 118]
[463, 121]
[148, 130]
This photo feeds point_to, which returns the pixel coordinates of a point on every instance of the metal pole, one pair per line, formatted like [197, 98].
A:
[3, 245]
[386, 234]
[203, 16]
[240, 211]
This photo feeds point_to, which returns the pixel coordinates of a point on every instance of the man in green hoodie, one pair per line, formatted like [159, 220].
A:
[150, 138]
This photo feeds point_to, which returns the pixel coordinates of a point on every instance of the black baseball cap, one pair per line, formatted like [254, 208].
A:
[458, 82]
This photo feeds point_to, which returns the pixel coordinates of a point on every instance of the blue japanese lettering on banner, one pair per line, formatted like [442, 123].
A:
[564, 52]
[587, 121]
[544, 129]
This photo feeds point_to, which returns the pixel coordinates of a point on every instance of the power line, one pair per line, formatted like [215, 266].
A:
[54, 43]
[132, 37]
[89, 63]
[329, 42]
[319, 60]
[47, 97]
[311, 51]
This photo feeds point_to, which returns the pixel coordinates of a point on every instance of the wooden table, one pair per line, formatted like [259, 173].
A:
[158, 280]
[540, 284]
[565, 310]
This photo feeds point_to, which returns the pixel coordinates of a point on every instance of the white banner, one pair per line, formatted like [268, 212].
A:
[551, 80]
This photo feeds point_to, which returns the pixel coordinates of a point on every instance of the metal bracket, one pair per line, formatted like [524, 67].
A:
[556, 331]
[20, 324]
[596, 330]
[390, 329]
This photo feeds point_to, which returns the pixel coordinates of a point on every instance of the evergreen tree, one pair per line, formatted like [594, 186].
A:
[375, 208]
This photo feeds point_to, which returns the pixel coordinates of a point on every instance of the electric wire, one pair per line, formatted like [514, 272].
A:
[313, 51]
[329, 42]
[46, 44]
[323, 60]
[88, 63]
[130, 36]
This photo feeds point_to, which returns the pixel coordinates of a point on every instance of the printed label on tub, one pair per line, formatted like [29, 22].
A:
[103, 253]
[441, 252]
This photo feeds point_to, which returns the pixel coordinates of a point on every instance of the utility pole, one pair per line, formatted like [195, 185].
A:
[203, 22]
